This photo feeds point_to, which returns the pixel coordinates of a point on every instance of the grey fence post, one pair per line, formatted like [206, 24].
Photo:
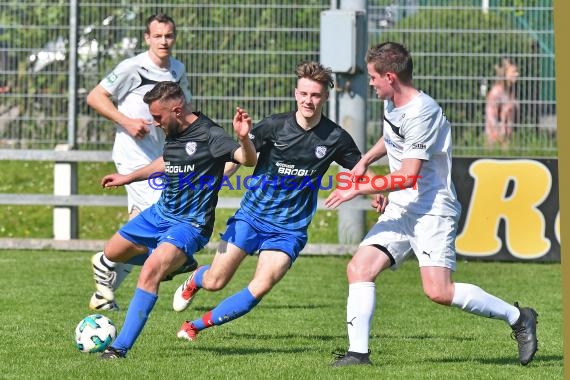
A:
[343, 47]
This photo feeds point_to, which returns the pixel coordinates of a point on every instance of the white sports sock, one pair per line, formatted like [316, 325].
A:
[475, 300]
[123, 270]
[107, 262]
[359, 312]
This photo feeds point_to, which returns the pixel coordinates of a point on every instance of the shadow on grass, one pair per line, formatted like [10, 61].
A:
[459, 338]
[548, 360]
[284, 336]
[242, 351]
[206, 308]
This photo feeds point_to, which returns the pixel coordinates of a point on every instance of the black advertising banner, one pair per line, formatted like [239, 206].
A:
[510, 209]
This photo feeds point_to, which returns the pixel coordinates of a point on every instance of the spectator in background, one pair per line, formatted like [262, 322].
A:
[501, 105]
[4, 65]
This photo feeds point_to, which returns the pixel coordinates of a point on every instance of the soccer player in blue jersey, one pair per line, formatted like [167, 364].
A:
[181, 222]
[295, 150]
[137, 142]
[422, 215]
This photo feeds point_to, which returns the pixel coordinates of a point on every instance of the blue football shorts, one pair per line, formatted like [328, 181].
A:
[252, 235]
[150, 229]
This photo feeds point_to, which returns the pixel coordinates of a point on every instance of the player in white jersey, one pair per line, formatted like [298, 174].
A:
[137, 141]
[422, 214]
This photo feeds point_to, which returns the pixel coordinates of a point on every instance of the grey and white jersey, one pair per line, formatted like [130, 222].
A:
[420, 130]
[128, 83]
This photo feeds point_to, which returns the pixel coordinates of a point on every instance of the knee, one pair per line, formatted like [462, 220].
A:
[439, 295]
[356, 272]
[149, 281]
[213, 282]
[112, 254]
[150, 276]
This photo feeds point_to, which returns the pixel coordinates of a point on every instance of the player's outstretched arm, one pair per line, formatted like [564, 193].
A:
[116, 179]
[375, 153]
[246, 153]
[338, 197]
[403, 178]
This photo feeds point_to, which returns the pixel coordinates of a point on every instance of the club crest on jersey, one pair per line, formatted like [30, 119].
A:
[251, 136]
[191, 147]
[320, 151]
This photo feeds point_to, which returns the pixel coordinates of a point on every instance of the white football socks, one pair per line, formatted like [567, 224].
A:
[475, 300]
[359, 311]
[122, 270]
[107, 262]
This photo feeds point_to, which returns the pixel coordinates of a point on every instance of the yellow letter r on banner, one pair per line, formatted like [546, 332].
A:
[490, 202]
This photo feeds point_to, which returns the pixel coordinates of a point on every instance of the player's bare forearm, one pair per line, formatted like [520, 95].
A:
[375, 153]
[406, 177]
[230, 168]
[116, 179]
[100, 100]
[246, 153]
[146, 171]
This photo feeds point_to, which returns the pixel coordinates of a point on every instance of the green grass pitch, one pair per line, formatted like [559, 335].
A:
[291, 333]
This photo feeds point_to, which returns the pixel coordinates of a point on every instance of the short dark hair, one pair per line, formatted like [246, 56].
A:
[315, 71]
[393, 57]
[164, 92]
[162, 18]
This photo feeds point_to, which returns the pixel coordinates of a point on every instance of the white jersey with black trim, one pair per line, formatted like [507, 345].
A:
[420, 130]
[127, 83]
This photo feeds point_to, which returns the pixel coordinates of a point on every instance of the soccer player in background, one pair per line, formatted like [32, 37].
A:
[137, 142]
[422, 214]
[182, 220]
[295, 151]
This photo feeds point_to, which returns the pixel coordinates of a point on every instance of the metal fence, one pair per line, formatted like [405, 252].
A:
[240, 52]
